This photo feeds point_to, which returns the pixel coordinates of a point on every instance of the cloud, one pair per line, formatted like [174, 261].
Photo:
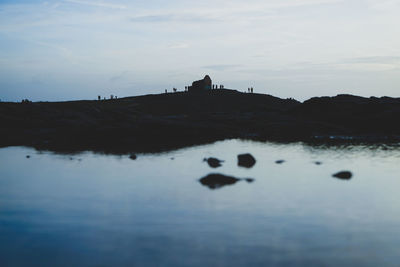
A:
[96, 4]
[174, 17]
[151, 18]
[281, 40]
[383, 5]
[223, 11]
[222, 67]
[119, 77]
[368, 64]
[179, 46]
[374, 60]
[296, 3]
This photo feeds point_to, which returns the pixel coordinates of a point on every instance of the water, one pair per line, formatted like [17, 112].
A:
[105, 210]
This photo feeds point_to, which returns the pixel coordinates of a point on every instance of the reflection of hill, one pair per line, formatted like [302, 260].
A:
[167, 121]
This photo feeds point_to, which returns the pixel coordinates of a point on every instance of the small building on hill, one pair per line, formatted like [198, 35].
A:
[201, 85]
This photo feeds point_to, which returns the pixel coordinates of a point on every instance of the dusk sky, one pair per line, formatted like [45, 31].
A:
[78, 49]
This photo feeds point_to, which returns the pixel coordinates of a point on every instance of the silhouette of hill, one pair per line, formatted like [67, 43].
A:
[154, 123]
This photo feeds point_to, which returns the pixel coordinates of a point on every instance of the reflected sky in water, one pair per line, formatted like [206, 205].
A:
[105, 210]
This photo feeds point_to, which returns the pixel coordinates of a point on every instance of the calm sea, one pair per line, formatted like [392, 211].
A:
[93, 209]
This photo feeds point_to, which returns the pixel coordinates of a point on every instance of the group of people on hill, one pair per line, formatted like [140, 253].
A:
[214, 87]
[111, 97]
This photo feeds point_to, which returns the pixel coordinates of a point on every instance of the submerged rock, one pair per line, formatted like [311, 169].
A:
[246, 160]
[279, 161]
[344, 175]
[214, 162]
[215, 180]
[133, 157]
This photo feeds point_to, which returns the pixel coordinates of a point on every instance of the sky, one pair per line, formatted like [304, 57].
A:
[79, 49]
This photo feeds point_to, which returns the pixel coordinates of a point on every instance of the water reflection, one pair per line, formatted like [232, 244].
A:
[343, 175]
[113, 211]
[215, 180]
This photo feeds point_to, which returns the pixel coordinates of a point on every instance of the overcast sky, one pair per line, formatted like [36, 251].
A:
[74, 49]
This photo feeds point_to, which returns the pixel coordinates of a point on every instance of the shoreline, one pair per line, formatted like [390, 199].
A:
[156, 123]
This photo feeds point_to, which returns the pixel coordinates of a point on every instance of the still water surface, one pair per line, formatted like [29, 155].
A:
[104, 210]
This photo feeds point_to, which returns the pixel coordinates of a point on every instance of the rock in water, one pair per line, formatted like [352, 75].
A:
[214, 181]
[246, 160]
[213, 162]
[279, 161]
[133, 157]
[344, 175]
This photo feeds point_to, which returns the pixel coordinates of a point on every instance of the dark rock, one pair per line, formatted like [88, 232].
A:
[246, 160]
[279, 161]
[133, 157]
[344, 175]
[27, 156]
[201, 86]
[214, 162]
[164, 122]
[318, 163]
[215, 181]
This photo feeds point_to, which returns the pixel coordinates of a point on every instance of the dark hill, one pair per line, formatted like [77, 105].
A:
[353, 115]
[166, 121]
